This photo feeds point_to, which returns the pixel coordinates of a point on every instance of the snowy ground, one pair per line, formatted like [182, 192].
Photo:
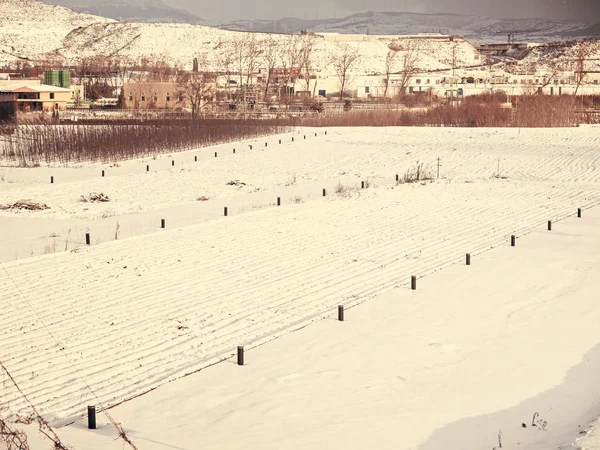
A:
[131, 314]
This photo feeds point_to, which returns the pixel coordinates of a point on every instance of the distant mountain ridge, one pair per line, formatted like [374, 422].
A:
[475, 28]
[131, 10]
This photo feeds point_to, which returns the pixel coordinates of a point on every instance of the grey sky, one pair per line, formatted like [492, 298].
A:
[226, 10]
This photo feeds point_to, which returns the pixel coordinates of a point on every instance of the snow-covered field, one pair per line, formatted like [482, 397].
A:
[131, 314]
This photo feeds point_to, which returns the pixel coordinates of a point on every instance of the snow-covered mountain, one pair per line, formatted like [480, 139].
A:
[130, 10]
[473, 28]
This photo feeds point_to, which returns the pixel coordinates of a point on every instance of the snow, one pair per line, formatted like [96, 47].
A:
[131, 314]
[473, 351]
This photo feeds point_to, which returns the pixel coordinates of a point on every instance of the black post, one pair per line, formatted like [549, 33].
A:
[147, 168]
[278, 201]
[341, 313]
[234, 150]
[304, 136]
[266, 144]
[413, 283]
[250, 147]
[103, 173]
[172, 162]
[513, 240]
[549, 225]
[325, 133]
[195, 158]
[280, 141]
[225, 211]
[240, 355]
[579, 212]
[51, 180]
[215, 154]
[315, 134]
[87, 238]
[292, 138]
[324, 192]
[162, 223]
[92, 417]
[397, 177]
[468, 259]
[362, 184]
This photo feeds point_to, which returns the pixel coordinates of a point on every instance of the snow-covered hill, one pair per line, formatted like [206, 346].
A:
[71, 36]
[130, 10]
[474, 28]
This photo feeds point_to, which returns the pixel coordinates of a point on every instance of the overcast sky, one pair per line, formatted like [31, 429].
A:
[226, 10]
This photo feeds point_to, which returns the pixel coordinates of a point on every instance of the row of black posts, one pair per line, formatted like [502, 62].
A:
[195, 158]
[340, 312]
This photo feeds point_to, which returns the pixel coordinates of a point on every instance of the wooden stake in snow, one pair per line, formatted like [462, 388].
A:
[51, 180]
[234, 150]
[250, 147]
[292, 138]
[278, 201]
[468, 259]
[195, 158]
[172, 162]
[304, 136]
[341, 313]
[225, 211]
[579, 212]
[513, 240]
[413, 283]
[92, 417]
[315, 134]
[362, 184]
[325, 133]
[215, 154]
[240, 355]
[549, 225]
[162, 223]
[280, 141]
[147, 168]
[397, 177]
[103, 173]
[266, 144]
[87, 238]
[324, 192]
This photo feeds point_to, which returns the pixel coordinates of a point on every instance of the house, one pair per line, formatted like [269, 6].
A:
[153, 96]
[42, 98]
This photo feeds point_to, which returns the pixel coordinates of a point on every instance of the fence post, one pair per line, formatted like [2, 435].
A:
[225, 211]
[234, 150]
[549, 225]
[324, 192]
[278, 201]
[87, 238]
[266, 144]
[579, 212]
[341, 313]
[162, 223]
[91, 417]
[240, 355]
[51, 180]
[103, 173]
[468, 259]
[304, 136]
[413, 283]
[362, 184]
[215, 154]
[172, 162]
[195, 158]
[292, 138]
[250, 146]
[280, 141]
[397, 177]
[147, 168]
[513, 240]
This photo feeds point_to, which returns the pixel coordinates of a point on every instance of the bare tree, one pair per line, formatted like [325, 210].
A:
[198, 89]
[291, 59]
[271, 56]
[306, 59]
[409, 56]
[343, 62]
[390, 60]
[583, 53]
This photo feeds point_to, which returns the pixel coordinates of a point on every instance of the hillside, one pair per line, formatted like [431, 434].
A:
[71, 36]
[130, 10]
